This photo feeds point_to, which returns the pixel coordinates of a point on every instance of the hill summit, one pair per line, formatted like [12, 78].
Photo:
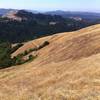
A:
[18, 15]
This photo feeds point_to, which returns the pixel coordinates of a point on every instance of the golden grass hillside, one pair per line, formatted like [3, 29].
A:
[67, 69]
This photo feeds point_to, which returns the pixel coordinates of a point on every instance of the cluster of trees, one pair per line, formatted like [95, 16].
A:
[5, 55]
[18, 59]
[34, 26]
[6, 50]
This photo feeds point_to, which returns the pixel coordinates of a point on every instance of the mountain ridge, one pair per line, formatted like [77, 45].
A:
[84, 15]
[58, 12]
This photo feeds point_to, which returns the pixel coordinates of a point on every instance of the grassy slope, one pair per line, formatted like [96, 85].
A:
[68, 68]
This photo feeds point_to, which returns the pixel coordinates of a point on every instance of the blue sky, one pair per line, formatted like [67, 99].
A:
[48, 5]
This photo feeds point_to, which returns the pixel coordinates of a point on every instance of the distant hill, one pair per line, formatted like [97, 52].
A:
[34, 11]
[5, 11]
[84, 15]
[26, 15]
[87, 15]
[12, 15]
[65, 14]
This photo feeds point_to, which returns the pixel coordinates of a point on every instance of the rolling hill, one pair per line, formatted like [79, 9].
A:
[67, 69]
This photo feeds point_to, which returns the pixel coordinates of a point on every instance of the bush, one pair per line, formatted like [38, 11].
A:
[16, 47]
[18, 60]
[44, 44]
[25, 53]
[33, 49]
[31, 57]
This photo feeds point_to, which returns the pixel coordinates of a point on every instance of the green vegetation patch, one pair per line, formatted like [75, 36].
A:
[5, 54]
[6, 50]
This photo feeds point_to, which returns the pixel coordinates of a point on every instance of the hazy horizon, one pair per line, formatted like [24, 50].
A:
[43, 11]
[52, 5]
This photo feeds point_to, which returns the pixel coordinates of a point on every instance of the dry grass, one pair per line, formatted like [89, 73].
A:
[67, 69]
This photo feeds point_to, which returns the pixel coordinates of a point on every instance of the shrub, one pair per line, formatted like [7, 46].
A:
[33, 49]
[31, 57]
[44, 44]
[25, 53]
[16, 47]
[17, 60]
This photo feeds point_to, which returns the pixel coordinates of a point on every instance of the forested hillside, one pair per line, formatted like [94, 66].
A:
[32, 26]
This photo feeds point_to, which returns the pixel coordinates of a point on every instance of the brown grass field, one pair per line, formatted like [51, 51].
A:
[67, 69]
